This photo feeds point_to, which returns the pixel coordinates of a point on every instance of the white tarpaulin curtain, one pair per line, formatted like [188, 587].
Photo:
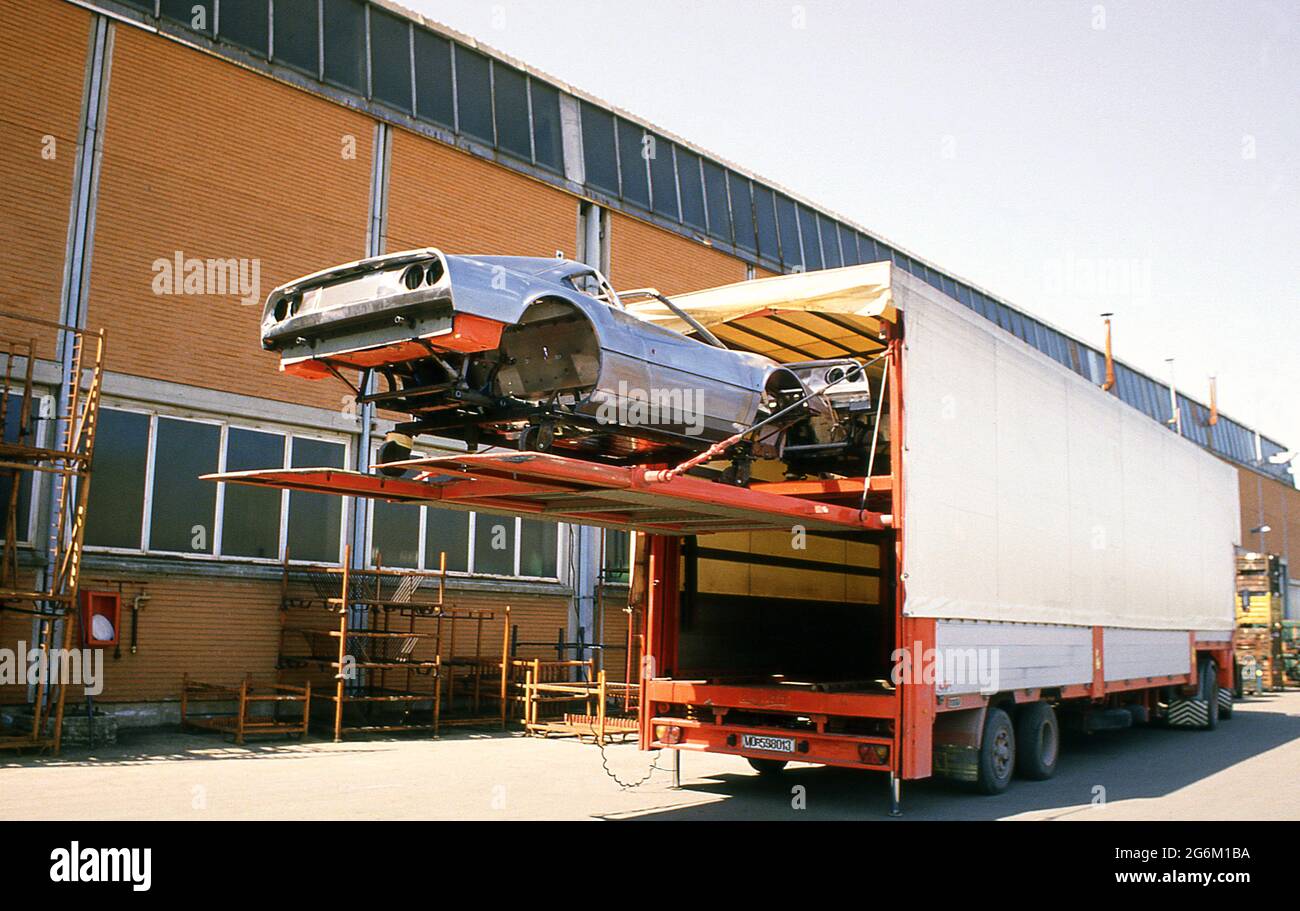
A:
[1033, 496]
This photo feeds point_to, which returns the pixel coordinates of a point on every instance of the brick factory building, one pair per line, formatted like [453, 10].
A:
[163, 170]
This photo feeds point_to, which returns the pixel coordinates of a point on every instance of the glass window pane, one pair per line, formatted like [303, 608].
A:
[633, 148]
[688, 174]
[598, 148]
[345, 43]
[184, 508]
[663, 177]
[765, 218]
[184, 12]
[830, 243]
[715, 194]
[296, 35]
[250, 517]
[474, 93]
[494, 544]
[315, 519]
[617, 556]
[446, 531]
[548, 140]
[848, 246]
[433, 79]
[390, 58]
[537, 548]
[395, 536]
[868, 252]
[115, 512]
[812, 252]
[513, 133]
[789, 224]
[246, 23]
[742, 210]
[13, 434]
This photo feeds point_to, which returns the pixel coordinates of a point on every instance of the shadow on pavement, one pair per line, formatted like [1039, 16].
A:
[1142, 762]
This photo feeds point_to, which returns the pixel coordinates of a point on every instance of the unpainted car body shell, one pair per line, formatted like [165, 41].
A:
[341, 313]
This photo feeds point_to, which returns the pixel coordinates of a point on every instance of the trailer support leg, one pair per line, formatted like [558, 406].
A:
[895, 795]
[677, 770]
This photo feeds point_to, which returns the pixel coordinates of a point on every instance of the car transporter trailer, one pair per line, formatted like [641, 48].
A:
[1022, 551]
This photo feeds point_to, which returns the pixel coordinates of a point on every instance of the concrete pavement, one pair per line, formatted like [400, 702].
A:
[1247, 769]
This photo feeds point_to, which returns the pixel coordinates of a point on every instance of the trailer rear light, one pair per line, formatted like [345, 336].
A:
[873, 753]
[669, 734]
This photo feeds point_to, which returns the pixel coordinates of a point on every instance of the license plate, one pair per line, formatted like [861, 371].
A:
[767, 744]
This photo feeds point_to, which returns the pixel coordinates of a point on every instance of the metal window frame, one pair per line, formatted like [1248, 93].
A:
[283, 529]
[151, 496]
[425, 561]
[225, 424]
[44, 427]
[346, 441]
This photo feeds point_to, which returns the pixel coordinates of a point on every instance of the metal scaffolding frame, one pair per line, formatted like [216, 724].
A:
[50, 598]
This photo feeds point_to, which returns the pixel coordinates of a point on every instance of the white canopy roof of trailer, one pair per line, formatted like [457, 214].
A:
[797, 317]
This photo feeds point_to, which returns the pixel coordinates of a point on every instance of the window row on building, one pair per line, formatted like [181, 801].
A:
[146, 498]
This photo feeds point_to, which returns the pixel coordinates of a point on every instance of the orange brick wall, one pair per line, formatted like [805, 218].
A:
[210, 159]
[642, 256]
[1281, 514]
[42, 67]
[440, 197]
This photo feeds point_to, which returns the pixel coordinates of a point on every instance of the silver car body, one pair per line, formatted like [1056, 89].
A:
[505, 342]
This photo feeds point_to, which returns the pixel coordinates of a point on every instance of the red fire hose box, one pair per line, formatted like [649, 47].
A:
[100, 616]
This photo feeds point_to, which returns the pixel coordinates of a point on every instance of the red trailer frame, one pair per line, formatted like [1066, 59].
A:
[689, 716]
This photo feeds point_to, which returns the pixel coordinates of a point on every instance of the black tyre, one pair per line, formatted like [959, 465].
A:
[997, 761]
[767, 768]
[537, 438]
[1038, 741]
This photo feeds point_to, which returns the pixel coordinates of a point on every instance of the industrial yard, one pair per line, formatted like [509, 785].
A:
[393, 429]
[1148, 775]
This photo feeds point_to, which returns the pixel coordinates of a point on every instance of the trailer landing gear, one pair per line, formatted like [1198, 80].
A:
[895, 795]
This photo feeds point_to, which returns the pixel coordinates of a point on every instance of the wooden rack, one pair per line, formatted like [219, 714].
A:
[245, 721]
[548, 685]
[391, 648]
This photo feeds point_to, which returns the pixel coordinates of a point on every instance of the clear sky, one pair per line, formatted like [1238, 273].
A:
[1071, 157]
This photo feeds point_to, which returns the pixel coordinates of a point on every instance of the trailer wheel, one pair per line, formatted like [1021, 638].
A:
[1038, 741]
[997, 753]
[767, 768]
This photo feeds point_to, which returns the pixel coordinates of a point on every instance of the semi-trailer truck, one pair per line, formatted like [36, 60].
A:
[1048, 557]
[1019, 551]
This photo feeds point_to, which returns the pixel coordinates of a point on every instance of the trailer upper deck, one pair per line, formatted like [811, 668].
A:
[559, 489]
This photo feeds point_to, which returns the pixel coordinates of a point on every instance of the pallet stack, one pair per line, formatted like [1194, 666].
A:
[1258, 643]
